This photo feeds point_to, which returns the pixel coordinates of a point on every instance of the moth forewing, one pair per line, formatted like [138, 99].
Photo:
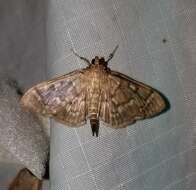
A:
[31, 101]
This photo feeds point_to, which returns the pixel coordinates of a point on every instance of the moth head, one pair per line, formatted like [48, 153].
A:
[99, 61]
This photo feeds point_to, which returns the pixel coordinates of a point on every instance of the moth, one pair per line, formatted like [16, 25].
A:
[95, 93]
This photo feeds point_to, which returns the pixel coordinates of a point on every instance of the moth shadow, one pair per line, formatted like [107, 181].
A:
[167, 104]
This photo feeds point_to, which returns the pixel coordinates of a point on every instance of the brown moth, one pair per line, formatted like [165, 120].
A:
[94, 93]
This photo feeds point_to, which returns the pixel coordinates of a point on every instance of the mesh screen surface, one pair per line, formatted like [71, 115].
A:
[156, 46]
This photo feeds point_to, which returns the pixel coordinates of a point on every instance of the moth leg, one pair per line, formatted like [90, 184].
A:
[82, 58]
[112, 54]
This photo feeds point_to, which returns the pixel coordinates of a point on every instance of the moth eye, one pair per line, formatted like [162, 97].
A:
[102, 61]
[93, 61]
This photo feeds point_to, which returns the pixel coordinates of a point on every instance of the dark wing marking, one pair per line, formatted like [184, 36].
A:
[62, 98]
[125, 100]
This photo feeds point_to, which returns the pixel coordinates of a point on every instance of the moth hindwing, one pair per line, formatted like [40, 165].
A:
[94, 93]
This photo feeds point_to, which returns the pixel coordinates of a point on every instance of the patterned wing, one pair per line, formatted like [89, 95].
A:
[125, 100]
[63, 98]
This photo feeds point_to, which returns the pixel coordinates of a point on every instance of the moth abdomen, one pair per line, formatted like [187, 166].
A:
[94, 126]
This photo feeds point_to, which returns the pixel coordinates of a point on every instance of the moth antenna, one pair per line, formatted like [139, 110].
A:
[112, 54]
[82, 58]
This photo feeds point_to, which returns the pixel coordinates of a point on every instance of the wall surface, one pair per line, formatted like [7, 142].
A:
[157, 41]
